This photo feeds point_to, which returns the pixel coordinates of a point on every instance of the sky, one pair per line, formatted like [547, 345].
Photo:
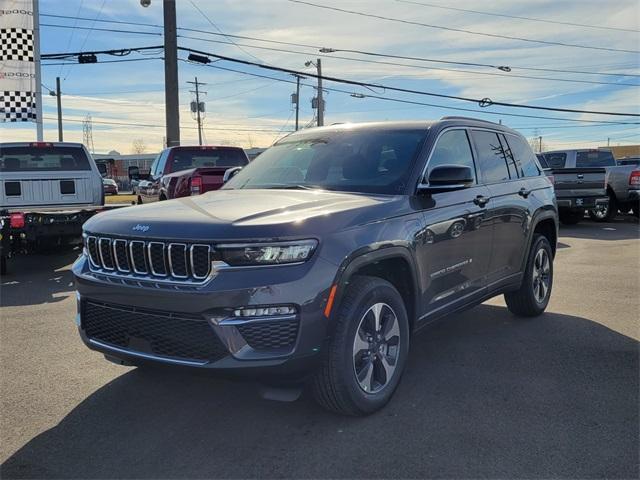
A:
[126, 99]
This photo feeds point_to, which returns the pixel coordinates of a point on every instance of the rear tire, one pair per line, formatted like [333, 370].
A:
[532, 298]
[571, 217]
[363, 362]
[606, 214]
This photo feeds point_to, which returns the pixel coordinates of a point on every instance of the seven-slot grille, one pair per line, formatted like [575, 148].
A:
[152, 259]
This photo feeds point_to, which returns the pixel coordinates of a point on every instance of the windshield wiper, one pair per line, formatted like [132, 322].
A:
[295, 187]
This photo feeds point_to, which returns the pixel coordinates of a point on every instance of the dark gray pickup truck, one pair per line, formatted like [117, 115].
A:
[622, 181]
[577, 189]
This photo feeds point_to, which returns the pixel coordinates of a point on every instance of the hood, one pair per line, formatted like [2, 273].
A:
[244, 214]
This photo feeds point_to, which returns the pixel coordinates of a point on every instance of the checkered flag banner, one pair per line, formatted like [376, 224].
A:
[16, 44]
[17, 106]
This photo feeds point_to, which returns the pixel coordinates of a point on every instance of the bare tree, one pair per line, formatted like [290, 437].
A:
[138, 146]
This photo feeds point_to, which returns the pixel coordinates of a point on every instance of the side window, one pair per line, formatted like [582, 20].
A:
[452, 148]
[162, 161]
[492, 163]
[524, 157]
[154, 166]
[594, 158]
[556, 160]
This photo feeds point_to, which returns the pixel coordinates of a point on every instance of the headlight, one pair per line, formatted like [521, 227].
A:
[247, 254]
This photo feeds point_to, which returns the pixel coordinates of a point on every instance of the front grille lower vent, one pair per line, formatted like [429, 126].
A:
[267, 335]
[167, 334]
[176, 262]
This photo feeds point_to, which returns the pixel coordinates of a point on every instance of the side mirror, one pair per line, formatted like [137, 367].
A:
[230, 173]
[445, 178]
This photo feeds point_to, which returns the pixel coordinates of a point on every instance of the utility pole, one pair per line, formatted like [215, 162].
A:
[297, 100]
[320, 101]
[172, 111]
[59, 100]
[198, 107]
[540, 144]
[608, 140]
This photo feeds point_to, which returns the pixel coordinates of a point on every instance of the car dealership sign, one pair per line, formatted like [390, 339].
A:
[20, 90]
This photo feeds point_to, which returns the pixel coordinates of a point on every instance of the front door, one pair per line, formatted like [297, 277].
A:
[454, 247]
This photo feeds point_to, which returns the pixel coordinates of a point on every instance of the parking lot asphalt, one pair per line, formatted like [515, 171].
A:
[484, 395]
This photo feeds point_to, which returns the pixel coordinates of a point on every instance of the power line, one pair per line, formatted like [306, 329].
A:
[106, 61]
[221, 32]
[118, 52]
[484, 102]
[446, 107]
[460, 30]
[472, 72]
[101, 29]
[147, 125]
[331, 50]
[87, 36]
[531, 19]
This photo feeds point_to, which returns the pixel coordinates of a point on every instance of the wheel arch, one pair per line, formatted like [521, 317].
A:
[394, 264]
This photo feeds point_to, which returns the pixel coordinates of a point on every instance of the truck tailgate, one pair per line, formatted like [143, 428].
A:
[579, 182]
[42, 189]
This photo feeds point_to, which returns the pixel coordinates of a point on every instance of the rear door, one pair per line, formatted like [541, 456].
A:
[508, 208]
[48, 175]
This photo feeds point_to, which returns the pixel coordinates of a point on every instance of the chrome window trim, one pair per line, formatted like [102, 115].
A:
[133, 263]
[186, 260]
[104, 265]
[164, 261]
[193, 273]
[115, 255]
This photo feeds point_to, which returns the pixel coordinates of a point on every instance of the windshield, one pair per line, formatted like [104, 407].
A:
[214, 157]
[43, 159]
[365, 161]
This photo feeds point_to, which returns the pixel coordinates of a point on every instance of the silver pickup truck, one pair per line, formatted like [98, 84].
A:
[622, 181]
[47, 191]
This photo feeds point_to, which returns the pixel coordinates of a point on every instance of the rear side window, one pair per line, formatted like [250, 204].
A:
[556, 160]
[524, 157]
[594, 158]
[542, 160]
[43, 159]
[492, 161]
[452, 148]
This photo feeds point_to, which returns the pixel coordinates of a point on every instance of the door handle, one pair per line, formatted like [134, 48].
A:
[481, 200]
[523, 192]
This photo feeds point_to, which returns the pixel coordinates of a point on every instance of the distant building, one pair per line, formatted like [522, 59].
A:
[624, 151]
[117, 166]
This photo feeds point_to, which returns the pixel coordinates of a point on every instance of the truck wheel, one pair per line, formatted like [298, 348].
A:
[605, 214]
[571, 217]
[364, 360]
[533, 296]
[3, 265]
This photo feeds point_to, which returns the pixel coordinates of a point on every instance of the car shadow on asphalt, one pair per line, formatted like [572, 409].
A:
[37, 278]
[484, 395]
[622, 228]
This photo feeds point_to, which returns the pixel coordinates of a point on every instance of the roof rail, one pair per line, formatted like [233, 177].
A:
[457, 117]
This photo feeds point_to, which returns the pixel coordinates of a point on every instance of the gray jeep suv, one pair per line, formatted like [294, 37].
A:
[319, 260]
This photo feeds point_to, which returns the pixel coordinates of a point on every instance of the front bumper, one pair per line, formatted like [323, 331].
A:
[582, 202]
[195, 326]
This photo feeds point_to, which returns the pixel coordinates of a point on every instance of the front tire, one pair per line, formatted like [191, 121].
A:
[366, 356]
[532, 298]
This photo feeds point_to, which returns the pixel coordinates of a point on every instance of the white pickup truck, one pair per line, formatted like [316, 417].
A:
[622, 182]
[47, 191]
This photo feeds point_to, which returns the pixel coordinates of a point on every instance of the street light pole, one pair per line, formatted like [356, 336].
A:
[297, 100]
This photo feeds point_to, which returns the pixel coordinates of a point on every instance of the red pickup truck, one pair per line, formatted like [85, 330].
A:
[183, 171]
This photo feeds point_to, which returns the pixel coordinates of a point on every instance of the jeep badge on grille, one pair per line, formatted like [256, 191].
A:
[140, 228]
